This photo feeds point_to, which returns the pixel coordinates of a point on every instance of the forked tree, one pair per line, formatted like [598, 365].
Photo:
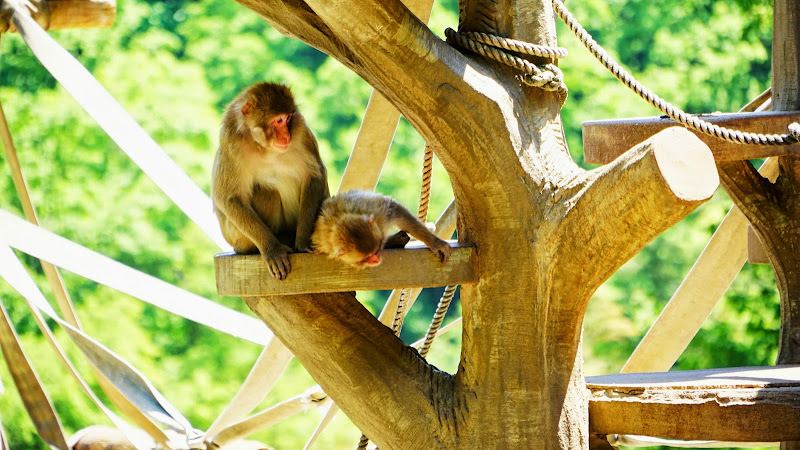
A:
[547, 233]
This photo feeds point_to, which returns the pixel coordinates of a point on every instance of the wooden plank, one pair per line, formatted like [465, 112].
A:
[414, 266]
[605, 140]
[82, 14]
[745, 404]
[64, 14]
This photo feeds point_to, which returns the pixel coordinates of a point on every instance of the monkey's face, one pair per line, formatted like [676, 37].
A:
[362, 242]
[281, 136]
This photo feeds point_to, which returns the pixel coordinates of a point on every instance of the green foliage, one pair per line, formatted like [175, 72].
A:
[174, 65]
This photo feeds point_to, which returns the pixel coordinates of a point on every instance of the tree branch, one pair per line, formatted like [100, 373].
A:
[751, 192]
[382, 385]
[621, 207]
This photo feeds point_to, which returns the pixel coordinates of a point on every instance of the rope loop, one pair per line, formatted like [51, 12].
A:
[547, 77]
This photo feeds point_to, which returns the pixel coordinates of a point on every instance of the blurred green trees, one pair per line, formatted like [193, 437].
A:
[175, 64]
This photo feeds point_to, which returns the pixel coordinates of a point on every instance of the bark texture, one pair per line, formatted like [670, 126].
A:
[546, 232]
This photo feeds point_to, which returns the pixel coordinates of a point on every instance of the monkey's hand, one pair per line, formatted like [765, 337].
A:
[397, 240]
[441, 249]
[303, 244]
[277, 257]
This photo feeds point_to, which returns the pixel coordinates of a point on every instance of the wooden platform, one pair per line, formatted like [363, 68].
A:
[605, 140]
[745, 404]
[414, 266]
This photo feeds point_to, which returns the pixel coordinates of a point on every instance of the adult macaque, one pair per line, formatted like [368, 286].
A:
[353, 227]
[268, 180]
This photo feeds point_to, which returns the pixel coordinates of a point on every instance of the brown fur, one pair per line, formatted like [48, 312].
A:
[353, 227]
[267, 197]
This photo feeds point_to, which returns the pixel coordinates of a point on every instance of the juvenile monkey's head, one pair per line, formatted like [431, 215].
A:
[354, 239]
[267, 110]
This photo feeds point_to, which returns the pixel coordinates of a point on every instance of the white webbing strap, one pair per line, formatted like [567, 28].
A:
[14, 273]
[79, 260]
[119, 125]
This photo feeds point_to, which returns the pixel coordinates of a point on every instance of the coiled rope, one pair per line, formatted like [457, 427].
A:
[549, 77]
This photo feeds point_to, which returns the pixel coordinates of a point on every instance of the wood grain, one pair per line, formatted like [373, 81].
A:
[605, 140]
[414, 266]
[745, 404]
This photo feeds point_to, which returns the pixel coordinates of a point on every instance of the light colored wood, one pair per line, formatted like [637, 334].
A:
[64, 14]
[414, 266]
[377, 128]
[372, 145]
[605, 140]
[51, 272]
[82, 13]
[751, 404]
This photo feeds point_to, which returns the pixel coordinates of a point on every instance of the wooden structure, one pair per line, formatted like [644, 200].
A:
[518, 301]
[412, 267]
[743, 404]
[724, 404]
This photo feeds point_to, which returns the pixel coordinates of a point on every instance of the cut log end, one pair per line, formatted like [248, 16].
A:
[686, 163]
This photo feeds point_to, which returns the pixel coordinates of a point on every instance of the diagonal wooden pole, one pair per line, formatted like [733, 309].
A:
[701, 289]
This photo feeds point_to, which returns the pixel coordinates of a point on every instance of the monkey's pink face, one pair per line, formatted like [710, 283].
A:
[280, 127]
[373, 259]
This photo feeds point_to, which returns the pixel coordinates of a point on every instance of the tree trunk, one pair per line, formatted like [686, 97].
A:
[546, 232]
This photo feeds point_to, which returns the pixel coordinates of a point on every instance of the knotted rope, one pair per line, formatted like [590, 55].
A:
[547, 77]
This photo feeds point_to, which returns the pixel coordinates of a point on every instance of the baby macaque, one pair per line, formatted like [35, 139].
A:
[268, 181]
[353, 227]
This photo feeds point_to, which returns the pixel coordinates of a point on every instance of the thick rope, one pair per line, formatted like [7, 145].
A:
[438, 317]
[422, 215]
[547, 77]
[688, 121]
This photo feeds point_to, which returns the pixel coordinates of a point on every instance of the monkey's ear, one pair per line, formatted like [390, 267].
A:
[259, 136]
[339, 251]
[247, 106]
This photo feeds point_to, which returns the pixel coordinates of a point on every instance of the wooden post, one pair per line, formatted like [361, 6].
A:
[786, 97]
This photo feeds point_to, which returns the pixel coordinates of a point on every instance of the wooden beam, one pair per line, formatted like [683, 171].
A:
[63, 14]
[746, 404]
[605, 140]
[414, 266]
[377, 128]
